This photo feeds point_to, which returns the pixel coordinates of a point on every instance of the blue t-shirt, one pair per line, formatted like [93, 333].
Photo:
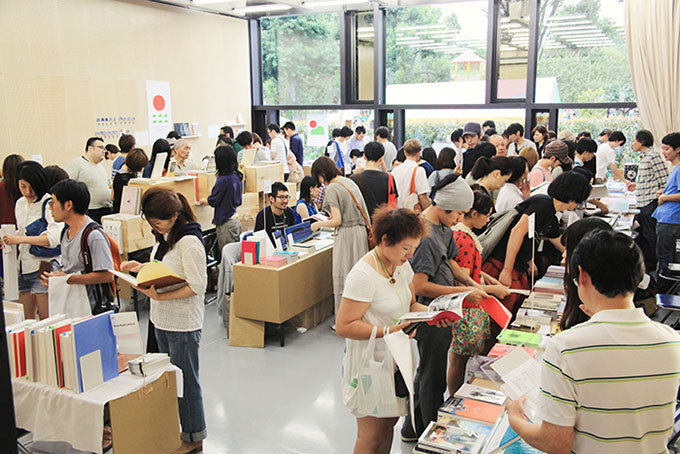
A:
[310, 208]
[117, 164]
[669, 212]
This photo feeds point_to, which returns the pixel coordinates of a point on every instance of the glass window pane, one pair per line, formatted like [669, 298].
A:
[301, 59]
[437, 54]
[513, 48]
[315, 126]
[364, 56]
[582, 54]
[627, 121]
[436, 125]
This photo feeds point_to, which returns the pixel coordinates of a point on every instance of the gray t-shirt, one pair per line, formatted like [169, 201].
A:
[433, 255]
[338, 196]
[100, 252]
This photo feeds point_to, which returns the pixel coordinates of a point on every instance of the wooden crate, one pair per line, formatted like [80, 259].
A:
[185, 187]
[257, 175]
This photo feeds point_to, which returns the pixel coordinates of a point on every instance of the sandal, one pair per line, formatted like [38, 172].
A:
[107, 439]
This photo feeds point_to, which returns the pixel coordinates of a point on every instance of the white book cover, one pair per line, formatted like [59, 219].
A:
[483, 394]
[91, 370]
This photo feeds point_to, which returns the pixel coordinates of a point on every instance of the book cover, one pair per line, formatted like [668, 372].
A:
[514, 337]
[482, 394]
[497, 311]
[500, 350]
[95, 334]
[153, 273]
[57, 331]
[470, 409]
[454, 439]
[130, 200]
[250, 251]
[501, 436]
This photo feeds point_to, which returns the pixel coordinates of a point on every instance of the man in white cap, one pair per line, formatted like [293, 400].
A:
[451, 199]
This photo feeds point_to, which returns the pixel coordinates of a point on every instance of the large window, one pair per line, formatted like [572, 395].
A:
[364, 56]
[315, 126]
[627, 121]
[437, 54]
[513, 48]
[582, 55]
[436, 125]
[301, 59]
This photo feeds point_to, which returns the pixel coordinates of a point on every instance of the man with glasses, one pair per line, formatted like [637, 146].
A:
[277, 216]
[89, 170]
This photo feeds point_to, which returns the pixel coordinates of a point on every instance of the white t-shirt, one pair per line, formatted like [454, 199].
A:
[614, 379]
[508, 197]
[25, 214]
[96, 178]
[402, 176]
[605, 157]
[280, 152]
[390, 154]
[514, 149]
[187, 259]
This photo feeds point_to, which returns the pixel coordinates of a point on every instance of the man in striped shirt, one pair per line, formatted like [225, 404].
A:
[652, 176]
[607, 385]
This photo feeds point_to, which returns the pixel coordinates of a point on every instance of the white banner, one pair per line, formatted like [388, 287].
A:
[158, 107]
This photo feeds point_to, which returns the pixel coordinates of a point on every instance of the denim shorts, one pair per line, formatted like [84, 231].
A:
[30, 282]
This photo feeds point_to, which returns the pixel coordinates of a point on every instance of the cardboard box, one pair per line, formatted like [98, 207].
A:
[257, 175]
[314, 315]
[185, 187]
[206, 181]
[307, 170]
[147, 420]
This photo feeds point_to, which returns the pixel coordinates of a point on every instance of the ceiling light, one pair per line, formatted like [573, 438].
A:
[421, 27]
[327, 3]
[269, 7]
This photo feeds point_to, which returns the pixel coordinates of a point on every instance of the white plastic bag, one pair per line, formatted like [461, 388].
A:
[368, 380]
[67, 299]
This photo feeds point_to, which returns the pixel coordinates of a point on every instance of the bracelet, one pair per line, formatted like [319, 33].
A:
[386, 330]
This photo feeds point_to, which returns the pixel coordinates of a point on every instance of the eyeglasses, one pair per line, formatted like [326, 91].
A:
[283, 197]
[101, 147]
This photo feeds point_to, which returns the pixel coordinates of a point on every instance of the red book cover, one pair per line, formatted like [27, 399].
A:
[249, 252]
[500, 350]
[444, 315]
[57, 347]
[19, 353]
[499, 313]
[474, 410]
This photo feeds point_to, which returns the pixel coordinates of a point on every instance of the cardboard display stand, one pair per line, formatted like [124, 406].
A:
[147, 420]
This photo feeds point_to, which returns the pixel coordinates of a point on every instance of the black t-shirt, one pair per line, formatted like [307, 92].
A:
[274, 223]
[374, 185]
[432, 257]
[121, 179]
[546, 227]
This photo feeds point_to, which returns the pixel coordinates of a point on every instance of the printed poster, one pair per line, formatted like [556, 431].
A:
[317, 130]
[159, 109]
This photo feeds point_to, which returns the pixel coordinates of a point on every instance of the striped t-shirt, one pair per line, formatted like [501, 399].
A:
[614, 379]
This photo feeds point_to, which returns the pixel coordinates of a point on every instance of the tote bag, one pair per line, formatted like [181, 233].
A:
[498, 225]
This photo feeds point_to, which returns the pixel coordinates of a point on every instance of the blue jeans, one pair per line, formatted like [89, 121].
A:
[666, 236]
[182, 347]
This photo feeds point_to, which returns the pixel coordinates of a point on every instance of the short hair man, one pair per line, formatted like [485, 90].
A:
[451, 199]
[411, 178]
[472, 133]
[70, 200]
[279, 147]
[603, 136]
[227, 131]
[296, 145]
[609, 384]
[488, 124]
[89, 170]
[651, 178]
[667, 214]
[458, 146]
[585, 151]
[337, 150]
[377, 187]
[125, 143]
[382, 135]
[356, 142]
[606, 157]
[517, 142]
[500, 143]
[278, 215]
[183, 157]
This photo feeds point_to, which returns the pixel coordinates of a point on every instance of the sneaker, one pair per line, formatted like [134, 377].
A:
[407, 433]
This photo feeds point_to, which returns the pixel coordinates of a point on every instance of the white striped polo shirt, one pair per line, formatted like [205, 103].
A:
[614, 379]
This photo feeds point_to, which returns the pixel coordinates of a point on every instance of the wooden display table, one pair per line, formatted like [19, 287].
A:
[276, 295]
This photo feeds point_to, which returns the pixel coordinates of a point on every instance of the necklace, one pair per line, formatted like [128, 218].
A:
[391, 275]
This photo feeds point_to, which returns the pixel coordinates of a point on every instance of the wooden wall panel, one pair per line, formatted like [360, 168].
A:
[66, 62]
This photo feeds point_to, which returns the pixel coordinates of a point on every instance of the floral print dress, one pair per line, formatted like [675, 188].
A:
[469, 333]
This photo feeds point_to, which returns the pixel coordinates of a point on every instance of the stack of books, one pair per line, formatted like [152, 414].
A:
[148, 364]
[65, 353]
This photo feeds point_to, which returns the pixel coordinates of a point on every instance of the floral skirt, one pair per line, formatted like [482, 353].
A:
[471, 332]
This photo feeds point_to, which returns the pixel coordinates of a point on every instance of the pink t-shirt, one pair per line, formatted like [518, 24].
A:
[539, 175]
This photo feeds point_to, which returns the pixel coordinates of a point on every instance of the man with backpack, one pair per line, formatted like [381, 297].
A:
[376, 186]
[85, 249]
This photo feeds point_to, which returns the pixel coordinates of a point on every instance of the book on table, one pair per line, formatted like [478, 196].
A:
[522, 338]
[156, 274]
[471, 410]
[491, 396]
[444, 438]
[500, 350]
[501, 436]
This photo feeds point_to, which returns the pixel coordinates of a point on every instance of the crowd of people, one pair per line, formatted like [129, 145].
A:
[425, 211]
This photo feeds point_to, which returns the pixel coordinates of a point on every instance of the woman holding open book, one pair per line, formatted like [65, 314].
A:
[378, 291]
[177, 313]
